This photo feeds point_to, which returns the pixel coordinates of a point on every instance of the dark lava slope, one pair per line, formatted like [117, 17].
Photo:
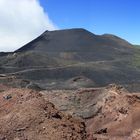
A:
[75, 40]
[73, 58]
[79, 44]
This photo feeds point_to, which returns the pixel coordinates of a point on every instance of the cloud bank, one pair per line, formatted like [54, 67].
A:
[20, 22]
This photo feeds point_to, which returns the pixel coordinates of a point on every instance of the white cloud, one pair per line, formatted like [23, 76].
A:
[20, 22]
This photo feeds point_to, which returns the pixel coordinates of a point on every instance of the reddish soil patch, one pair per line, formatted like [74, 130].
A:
[26, 115]
[110, 113]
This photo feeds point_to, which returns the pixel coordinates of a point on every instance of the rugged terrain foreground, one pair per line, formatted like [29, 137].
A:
[109, 113]
[25, 115]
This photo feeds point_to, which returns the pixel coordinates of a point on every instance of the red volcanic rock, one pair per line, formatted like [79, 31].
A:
[25, 115]
[109, 113]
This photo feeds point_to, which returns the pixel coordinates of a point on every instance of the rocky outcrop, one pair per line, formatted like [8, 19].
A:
[109, 113]
[25, 115]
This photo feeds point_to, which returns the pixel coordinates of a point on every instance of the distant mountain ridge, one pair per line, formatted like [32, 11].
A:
[74, 58]
[73, 40]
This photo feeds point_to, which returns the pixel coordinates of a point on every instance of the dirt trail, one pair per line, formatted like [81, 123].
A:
[54, 68]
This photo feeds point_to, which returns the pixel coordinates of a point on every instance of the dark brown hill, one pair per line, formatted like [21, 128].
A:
[56, 57]
[78, 45]
[75, 40]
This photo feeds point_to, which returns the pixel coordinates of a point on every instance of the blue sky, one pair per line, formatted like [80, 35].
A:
[119, 17]
[27, 19]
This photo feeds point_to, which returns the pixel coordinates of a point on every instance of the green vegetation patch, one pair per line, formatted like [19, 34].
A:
[136, 59]
[138, 46]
